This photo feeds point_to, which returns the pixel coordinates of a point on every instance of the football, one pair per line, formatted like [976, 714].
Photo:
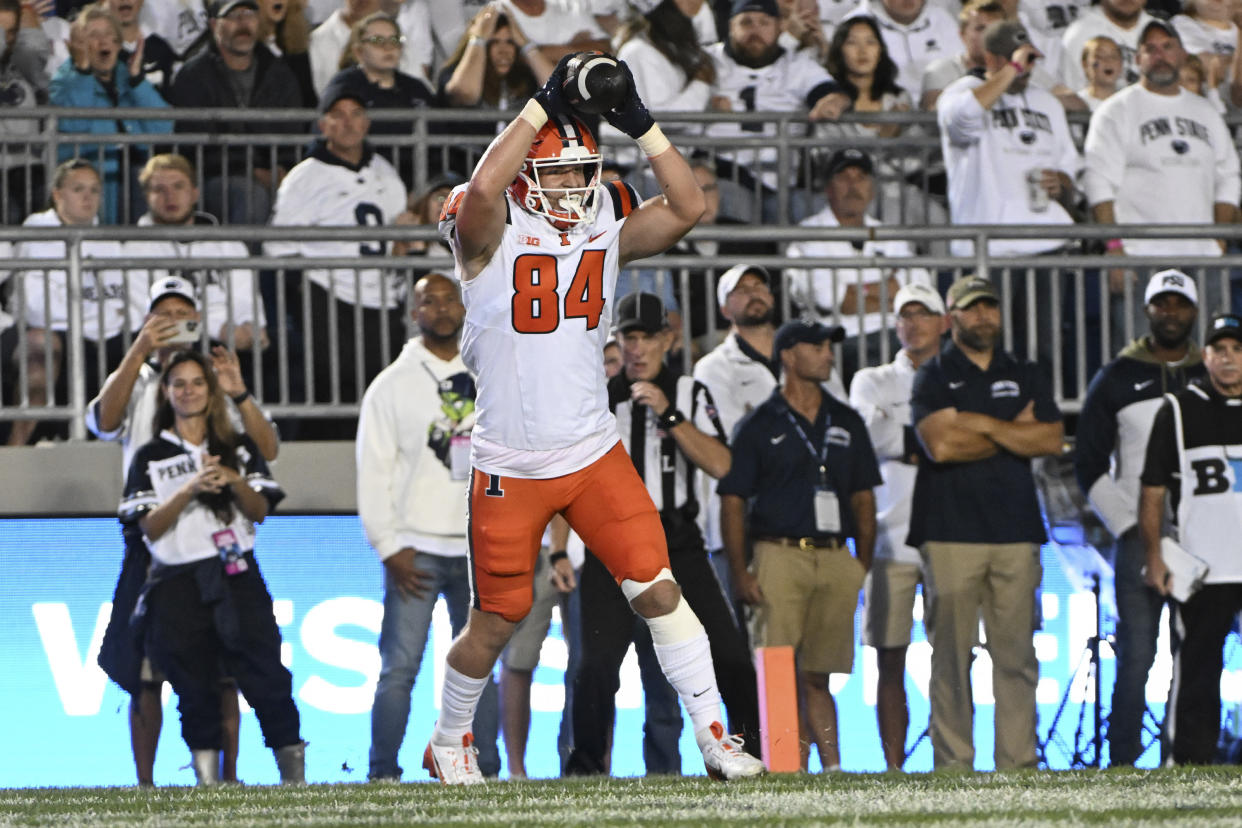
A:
[595, 83]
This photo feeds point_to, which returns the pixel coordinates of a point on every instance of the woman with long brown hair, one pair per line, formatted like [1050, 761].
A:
[196, 491]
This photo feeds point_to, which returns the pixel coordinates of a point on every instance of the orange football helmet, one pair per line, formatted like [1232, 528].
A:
[563, 142]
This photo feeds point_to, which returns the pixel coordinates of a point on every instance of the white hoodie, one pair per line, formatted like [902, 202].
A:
[407, 495]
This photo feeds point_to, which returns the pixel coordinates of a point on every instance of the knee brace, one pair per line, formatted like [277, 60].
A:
[633, 589]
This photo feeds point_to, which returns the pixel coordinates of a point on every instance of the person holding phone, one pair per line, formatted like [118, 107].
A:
[196, 491]
[123, 411]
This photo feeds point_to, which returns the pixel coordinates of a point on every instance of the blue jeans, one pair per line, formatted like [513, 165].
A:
[1138, 625]
[403, 638]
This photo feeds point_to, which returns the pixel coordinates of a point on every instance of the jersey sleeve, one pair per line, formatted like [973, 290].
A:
[139, 495]
[447, 225]
[703, 413]
[622, 197]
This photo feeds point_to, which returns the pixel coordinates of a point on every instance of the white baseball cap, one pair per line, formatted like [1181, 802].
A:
[730, 278]
[172, 286]
[925, 295]
[1171, 281]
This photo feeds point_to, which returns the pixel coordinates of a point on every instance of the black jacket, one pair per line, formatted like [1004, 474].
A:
[204, 82]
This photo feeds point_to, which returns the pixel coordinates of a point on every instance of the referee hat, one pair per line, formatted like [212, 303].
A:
[640, 311]
[1224, 326]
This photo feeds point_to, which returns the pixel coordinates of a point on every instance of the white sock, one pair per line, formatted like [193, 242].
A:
[688, 667]
[458, 701]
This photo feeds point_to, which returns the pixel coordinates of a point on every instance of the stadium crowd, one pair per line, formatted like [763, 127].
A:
[930, 445]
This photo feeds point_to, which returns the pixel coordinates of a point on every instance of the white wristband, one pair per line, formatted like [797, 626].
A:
[534, 114]
[652, 142]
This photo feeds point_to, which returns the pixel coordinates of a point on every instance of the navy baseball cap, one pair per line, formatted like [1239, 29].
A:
[843, 159]
[1224, 326]
[339, 90]
[766, 6]
[640, 311]
[797, 331]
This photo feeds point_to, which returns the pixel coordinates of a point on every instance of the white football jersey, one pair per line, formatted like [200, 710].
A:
[537, 318]
[113, 299]
[781, 86]
[324, 191]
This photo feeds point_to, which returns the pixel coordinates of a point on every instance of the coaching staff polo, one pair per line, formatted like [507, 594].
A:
[981, 415]
[804, 462]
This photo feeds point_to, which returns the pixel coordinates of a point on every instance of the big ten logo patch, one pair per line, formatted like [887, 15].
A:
[1214, 475]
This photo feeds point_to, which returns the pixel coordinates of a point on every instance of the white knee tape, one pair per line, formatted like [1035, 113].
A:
[633, 589]
[679, 625]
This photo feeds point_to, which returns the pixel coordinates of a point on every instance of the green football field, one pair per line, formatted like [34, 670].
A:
[1203, 796]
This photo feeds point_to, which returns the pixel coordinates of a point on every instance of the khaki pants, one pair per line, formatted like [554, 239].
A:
[997, 581]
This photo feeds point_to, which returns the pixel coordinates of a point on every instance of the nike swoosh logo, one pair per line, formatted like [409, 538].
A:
[776, 440]
[1139, 386]
[701, 692]
[596, 236]
[953, 386]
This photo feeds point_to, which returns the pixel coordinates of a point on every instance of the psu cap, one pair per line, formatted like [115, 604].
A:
[730, 278]
[1224, 326]
[797, 331]
[1171, 281]
[970, 289]
[639, 311]
[924, 295]
[172, 286]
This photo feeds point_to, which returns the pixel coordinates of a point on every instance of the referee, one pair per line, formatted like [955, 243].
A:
[1194, 455]
[670, 429]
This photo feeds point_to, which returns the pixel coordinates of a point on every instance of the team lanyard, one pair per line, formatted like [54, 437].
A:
[820, 457]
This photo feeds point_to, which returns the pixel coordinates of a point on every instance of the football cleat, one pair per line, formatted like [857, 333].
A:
[454, 765]
[724, 757]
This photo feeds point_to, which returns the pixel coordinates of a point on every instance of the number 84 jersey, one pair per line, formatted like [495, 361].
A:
[537, 318]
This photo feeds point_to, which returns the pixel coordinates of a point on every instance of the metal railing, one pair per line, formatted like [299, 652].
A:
[909, 174]
[1047, 317]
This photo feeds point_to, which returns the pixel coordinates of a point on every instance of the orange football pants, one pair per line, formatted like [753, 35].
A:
[605, 503]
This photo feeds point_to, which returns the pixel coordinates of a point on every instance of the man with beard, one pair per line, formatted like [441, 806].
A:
[1157, 154]
[1010, 159]
[755, 74]
[981, 415]
[1122, 21]
[237, 72]
[413, 453]
[1113, 428]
